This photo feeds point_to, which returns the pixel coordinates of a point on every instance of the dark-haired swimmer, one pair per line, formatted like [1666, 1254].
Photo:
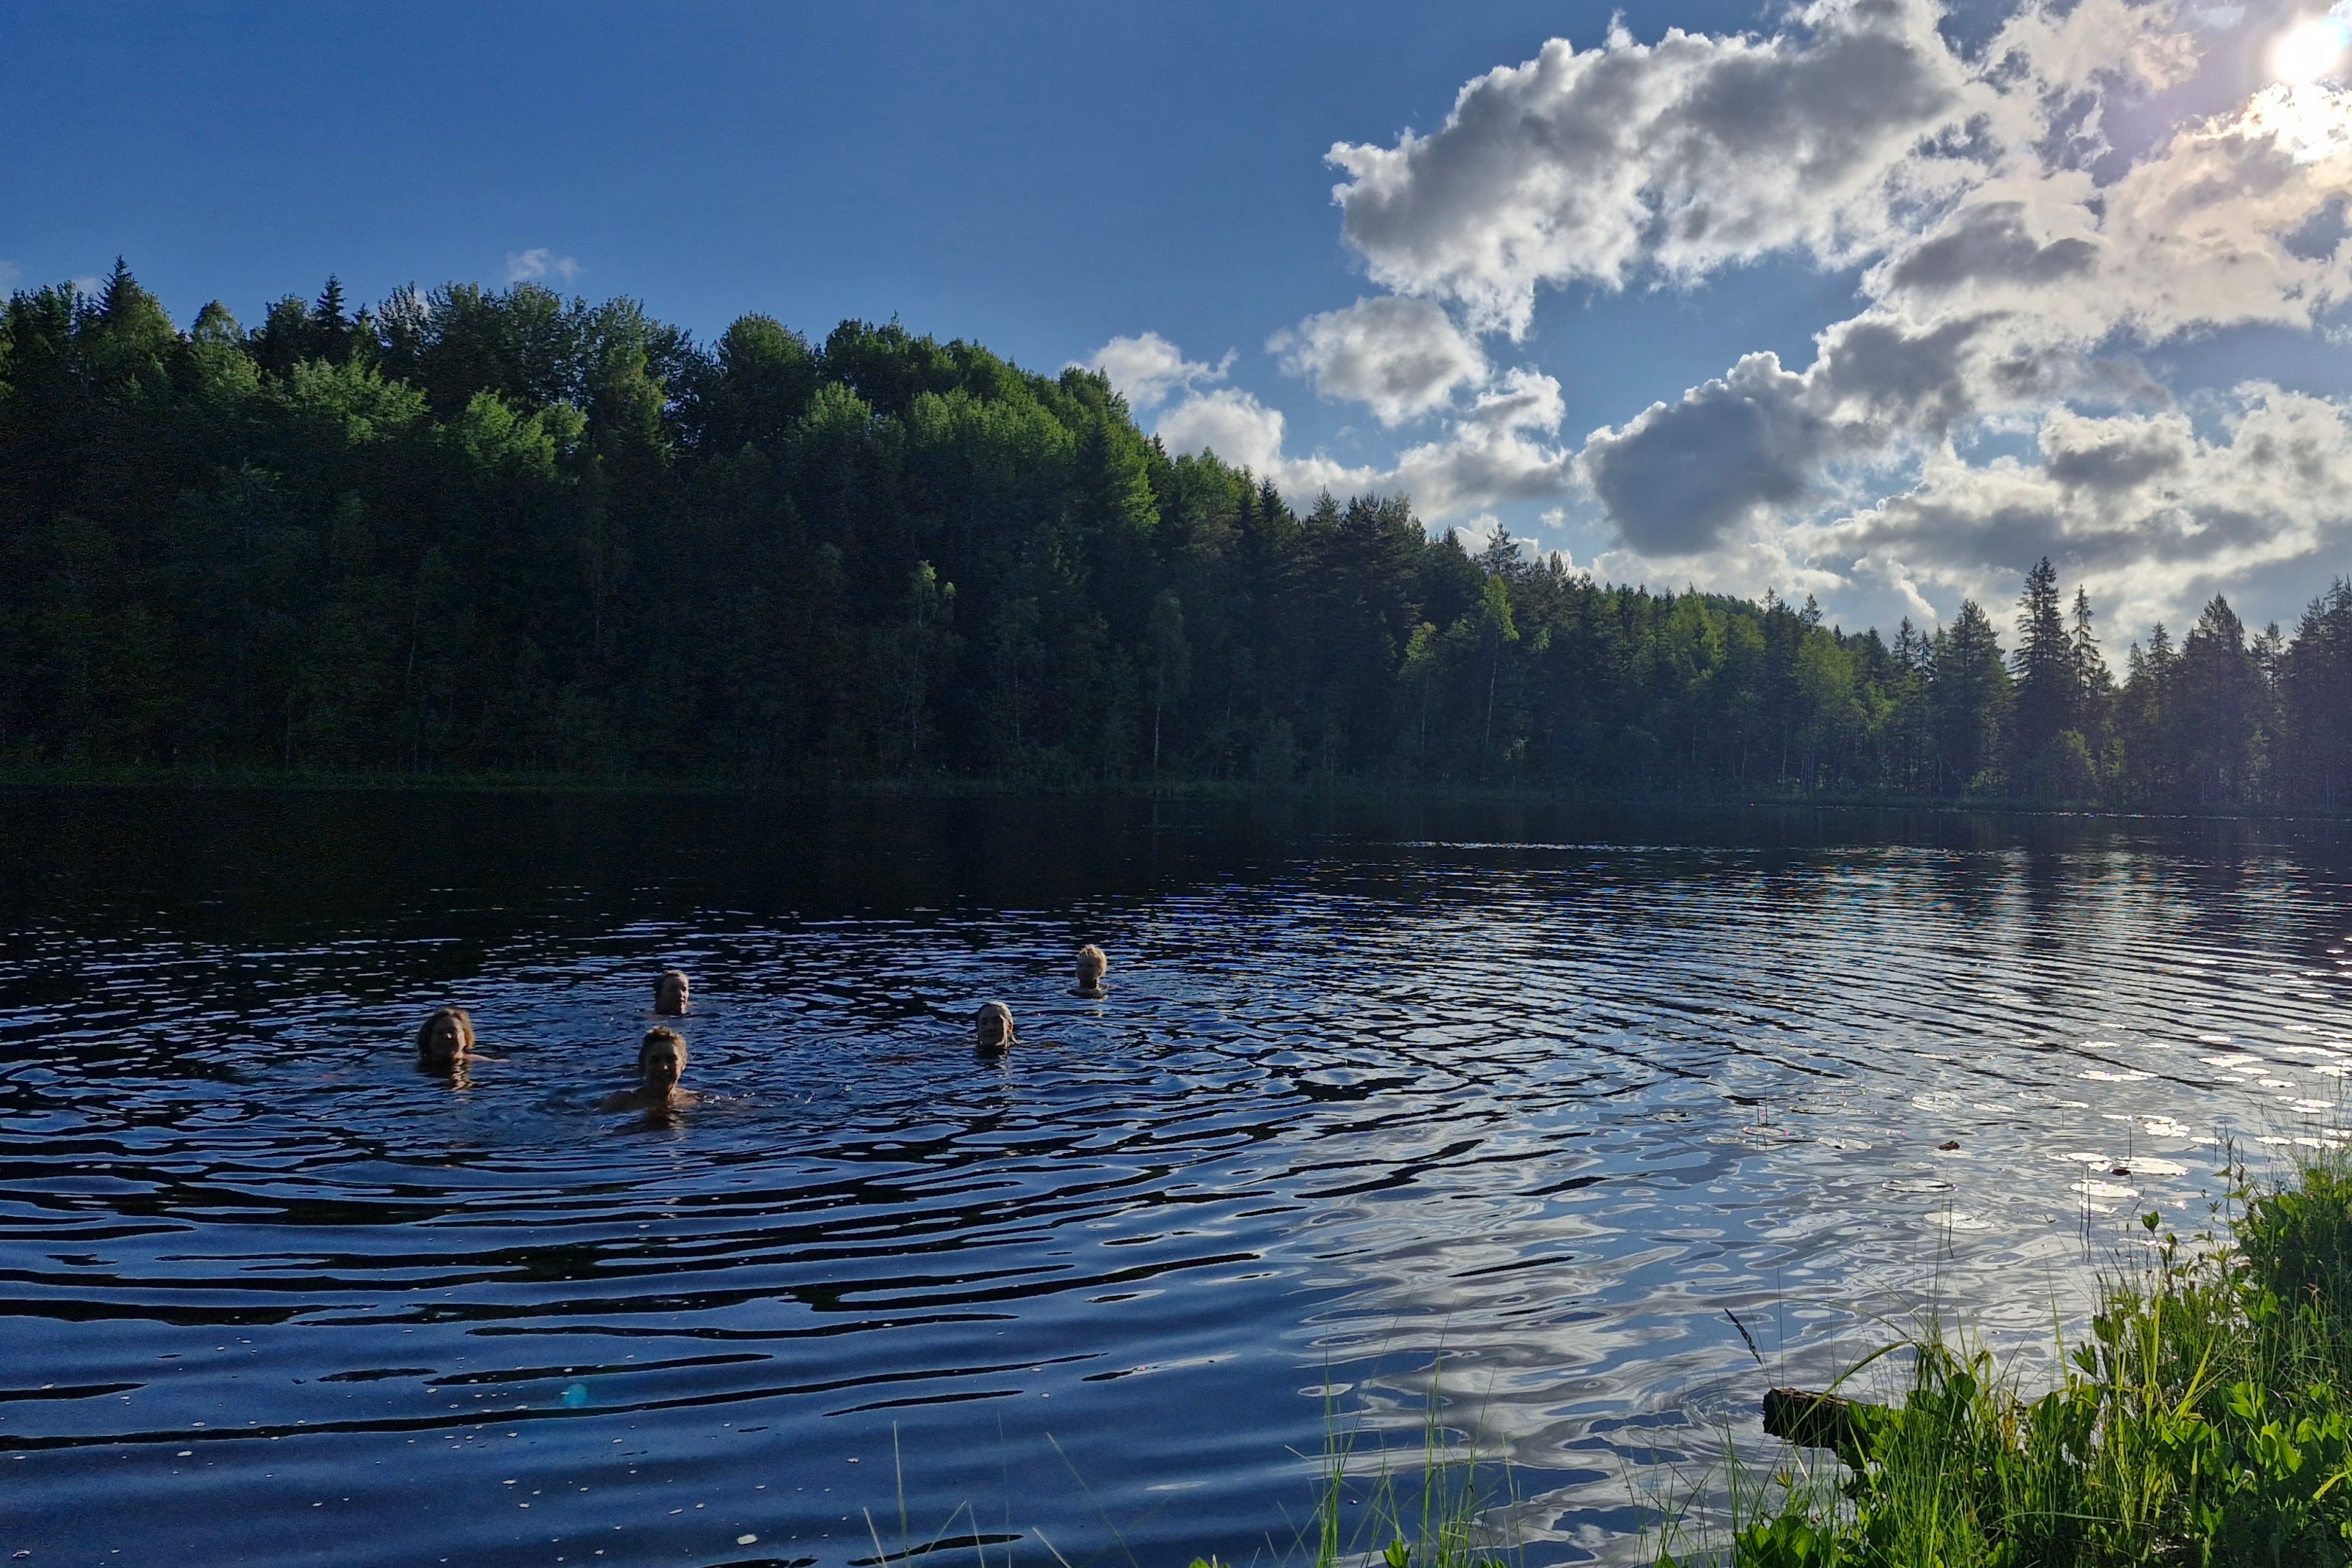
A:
[992, 1028]
[670, 993]
[661, 1063]
[445, 1040]
[1092, 966]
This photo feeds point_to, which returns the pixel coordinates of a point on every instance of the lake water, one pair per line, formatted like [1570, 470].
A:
[1498, 1110]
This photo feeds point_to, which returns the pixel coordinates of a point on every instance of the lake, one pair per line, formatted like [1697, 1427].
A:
[1506, 1113]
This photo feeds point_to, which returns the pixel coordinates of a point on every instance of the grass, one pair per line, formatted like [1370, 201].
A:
[1434, 1516]
[1367, 1514]
[2207, 1419]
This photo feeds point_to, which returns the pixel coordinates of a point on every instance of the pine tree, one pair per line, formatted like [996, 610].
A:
[2094, 698]
[2315, 701]
[2094, 687]
[123, 333]
[332, 332]
[1968, 690]
[2048, 685]
[2220, 710]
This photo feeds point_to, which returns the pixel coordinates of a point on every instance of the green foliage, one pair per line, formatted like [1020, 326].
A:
[1433, 1514]
[477, 529]
[2207, 1419]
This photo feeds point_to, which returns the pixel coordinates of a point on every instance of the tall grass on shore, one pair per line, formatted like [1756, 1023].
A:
[2207, 1419]
[1436, 1515]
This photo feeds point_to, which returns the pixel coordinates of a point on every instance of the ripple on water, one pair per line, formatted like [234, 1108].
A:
[1362, 1123]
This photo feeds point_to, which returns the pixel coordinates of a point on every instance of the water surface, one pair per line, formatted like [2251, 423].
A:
[1510, 1111]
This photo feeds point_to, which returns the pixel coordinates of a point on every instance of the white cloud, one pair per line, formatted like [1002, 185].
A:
[2149, 515]
[540, 263]
[2229, 223]
[1404, 358]
[1492, 454]
[9, 273]
[2030, 238]
[2139, 507]
[2011, 308]
[1829, 137]
[1685, 155]
[1246, 434]
[1146, 369]
[1230, 422]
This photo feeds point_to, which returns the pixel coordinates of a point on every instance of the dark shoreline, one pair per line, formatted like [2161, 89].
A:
[947, 787]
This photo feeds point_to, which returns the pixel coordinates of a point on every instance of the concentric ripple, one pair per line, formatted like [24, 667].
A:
[1545, 1118]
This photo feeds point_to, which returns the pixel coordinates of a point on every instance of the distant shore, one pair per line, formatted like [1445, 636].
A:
[947, 786]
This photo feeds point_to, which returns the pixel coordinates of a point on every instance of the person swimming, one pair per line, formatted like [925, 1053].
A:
[445, 1040]
[661, 1063]
[671, 993]
[992, 1028]
[1092, 966]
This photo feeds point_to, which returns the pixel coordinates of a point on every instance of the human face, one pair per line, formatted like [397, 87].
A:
[663, 1065]
[443, 1043]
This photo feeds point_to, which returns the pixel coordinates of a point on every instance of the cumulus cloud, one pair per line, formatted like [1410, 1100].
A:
[2028, 236]
[2149, 514]
[9, 274]
[1685, 155]
[1245, 433]
[1494, 453]
[1404, 358]
[1680, 479]
[1146, 369]
[1230, 422]
[539, 263]
[1695, 153]
[2014, 305]
[1500, 449]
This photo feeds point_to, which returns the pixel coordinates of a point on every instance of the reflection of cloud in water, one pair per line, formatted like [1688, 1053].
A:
[1604, 1099]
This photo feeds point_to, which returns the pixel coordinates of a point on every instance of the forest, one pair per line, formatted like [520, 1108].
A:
[498, 532]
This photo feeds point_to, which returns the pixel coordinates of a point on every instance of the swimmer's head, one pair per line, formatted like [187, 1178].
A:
[661, 1059]
[445, 1039]
[670, 993]
[1092, 966]
[993, 1027]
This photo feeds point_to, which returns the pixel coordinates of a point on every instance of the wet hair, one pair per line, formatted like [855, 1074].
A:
[457, 1016]
[655, 1036]
[1092, 965]
[993, 1027]
[661, 984]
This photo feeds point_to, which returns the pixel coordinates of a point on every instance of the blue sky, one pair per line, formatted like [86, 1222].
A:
[1054, 179]
[1040, 177]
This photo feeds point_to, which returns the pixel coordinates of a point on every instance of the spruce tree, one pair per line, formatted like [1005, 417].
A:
[2219, 711]
[330, 328]
[1968, 690]
[2048, 685]
[2315, 701]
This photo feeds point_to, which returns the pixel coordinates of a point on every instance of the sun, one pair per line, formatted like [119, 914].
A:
[2308, 50]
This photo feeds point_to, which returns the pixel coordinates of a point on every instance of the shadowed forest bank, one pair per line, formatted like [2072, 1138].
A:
[473, 531]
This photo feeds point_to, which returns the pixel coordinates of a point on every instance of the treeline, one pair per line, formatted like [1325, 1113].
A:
[477, 530]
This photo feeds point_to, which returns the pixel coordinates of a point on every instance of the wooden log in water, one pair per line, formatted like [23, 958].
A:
[1820, 1421]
